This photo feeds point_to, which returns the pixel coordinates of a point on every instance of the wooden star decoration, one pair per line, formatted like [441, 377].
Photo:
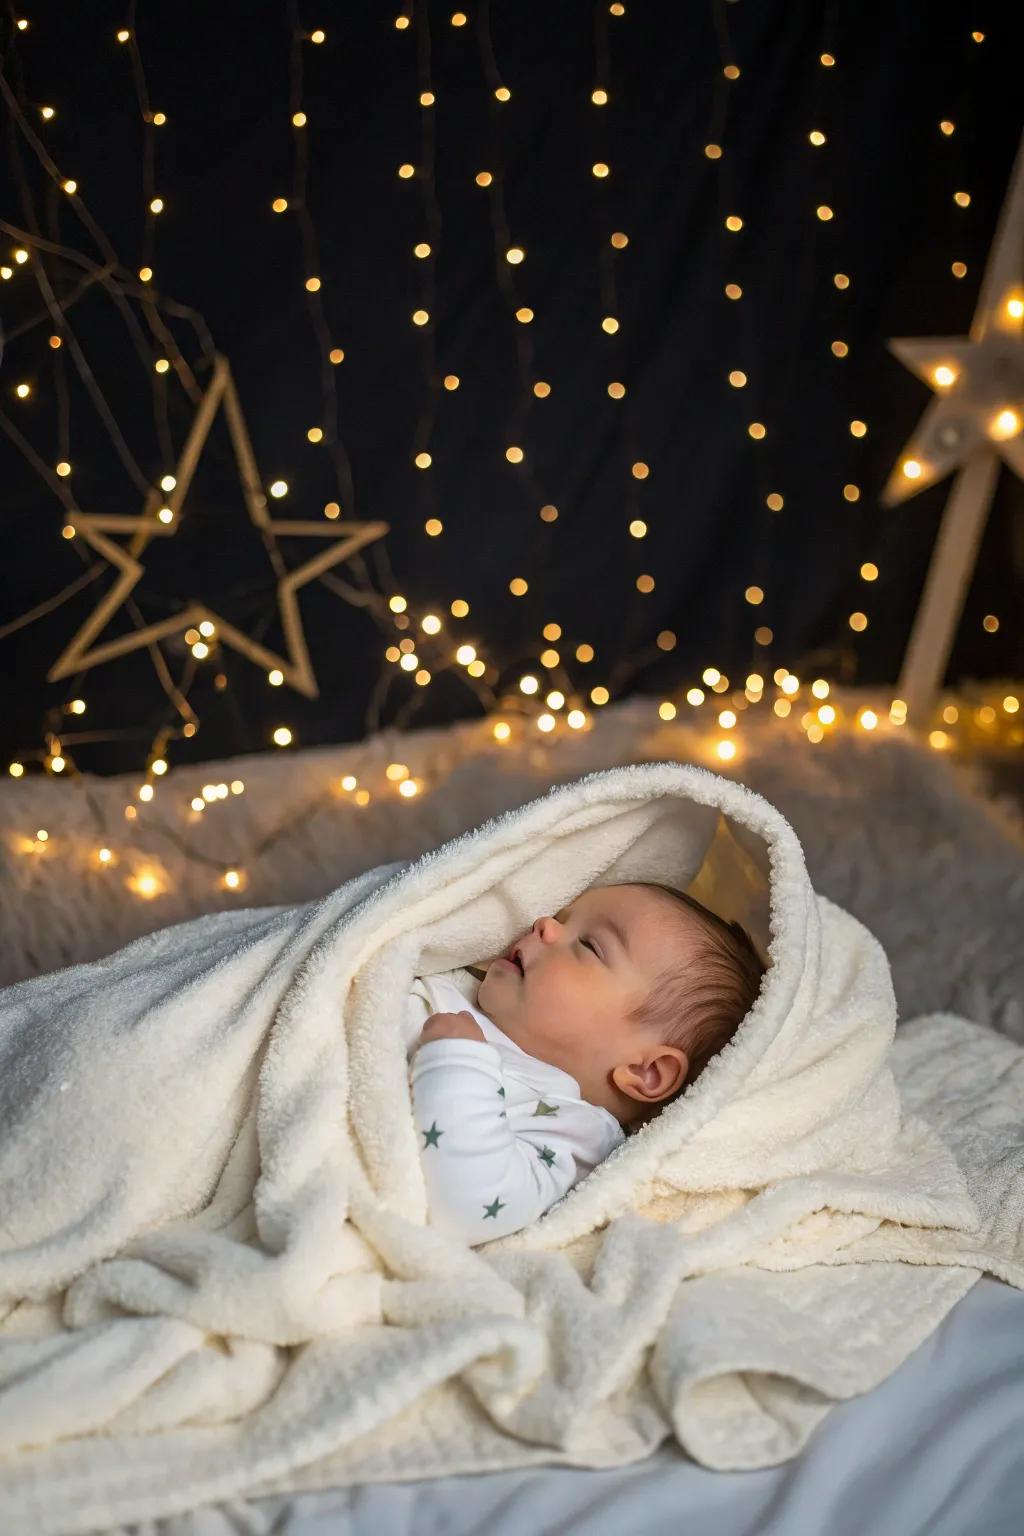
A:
[159, 519]
[975, 421]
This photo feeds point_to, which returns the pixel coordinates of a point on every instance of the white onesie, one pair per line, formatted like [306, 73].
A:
[503, 1135]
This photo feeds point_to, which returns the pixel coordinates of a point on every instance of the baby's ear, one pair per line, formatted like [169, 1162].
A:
[654, 1076]
[670, 1067]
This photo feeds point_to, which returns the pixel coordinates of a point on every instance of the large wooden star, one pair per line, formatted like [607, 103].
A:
[159, 519]
[975, 421]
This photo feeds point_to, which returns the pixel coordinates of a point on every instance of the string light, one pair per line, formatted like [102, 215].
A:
[1006, 422]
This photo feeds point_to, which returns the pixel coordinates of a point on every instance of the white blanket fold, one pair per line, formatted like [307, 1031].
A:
[216, 1273]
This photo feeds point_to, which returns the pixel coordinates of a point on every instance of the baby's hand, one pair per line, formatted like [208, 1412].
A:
[450, 1026]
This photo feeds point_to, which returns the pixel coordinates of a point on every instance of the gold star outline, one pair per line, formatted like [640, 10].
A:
[94, 528]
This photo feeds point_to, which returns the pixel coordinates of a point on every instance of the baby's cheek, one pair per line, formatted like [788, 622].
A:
[556, 1023]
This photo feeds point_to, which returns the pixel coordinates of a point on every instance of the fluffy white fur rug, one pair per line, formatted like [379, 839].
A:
[897, 834]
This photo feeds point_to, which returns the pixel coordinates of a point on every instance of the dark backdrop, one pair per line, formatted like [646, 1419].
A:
[227, 74]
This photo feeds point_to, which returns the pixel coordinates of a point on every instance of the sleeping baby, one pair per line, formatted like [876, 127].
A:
[583, 1031]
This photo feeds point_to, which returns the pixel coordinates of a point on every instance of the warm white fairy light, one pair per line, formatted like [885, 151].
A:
[1007, 424]
[146, 883]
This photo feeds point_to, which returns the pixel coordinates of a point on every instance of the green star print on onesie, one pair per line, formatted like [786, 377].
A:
[545, 1109]
[433, 1136]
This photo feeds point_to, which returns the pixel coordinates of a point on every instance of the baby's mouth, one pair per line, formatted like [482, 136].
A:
[512, 958]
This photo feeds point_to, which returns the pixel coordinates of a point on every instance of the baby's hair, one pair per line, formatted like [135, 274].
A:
[699, 1002]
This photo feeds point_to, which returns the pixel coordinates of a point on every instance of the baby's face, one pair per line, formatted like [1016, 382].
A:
[584, 969]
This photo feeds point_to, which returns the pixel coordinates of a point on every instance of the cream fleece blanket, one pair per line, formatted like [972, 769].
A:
[215, 1276]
